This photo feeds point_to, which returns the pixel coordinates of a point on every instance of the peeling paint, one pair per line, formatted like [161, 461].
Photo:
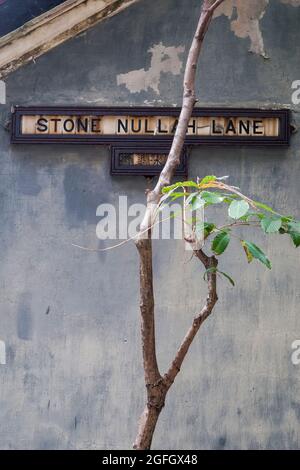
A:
[245, 394]
[245, 19]
[164, 60]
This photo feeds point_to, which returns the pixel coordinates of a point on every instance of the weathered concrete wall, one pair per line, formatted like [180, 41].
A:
[70, 319]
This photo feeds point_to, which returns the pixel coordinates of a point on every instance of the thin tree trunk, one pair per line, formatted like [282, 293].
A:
[147, 312]
[157, 391]
[148, 422]
[156, 385]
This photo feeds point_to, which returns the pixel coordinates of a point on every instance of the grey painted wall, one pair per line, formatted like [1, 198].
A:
[70, 318]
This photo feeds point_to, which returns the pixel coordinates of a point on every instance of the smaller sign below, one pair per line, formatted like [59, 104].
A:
[146, 161]
[143, 159]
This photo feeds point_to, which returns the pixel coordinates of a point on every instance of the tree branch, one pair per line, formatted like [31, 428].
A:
[157, 386]
[215, 5]
[151, 371]
[189, 100]
[208, 262]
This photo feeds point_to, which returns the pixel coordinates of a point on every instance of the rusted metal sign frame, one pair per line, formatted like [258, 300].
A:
[281, 140]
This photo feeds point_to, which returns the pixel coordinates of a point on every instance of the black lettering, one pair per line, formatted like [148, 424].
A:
[148, 131]
[95, 125]
[256, 126]
[159, 128]
[230, 127]
[215, 128]
[55, 120]
[174, 126]
[42, 125]
[122, 127]
[69, 128]
[82, 125]
[192, 126]
[244, 127]
[139, 128]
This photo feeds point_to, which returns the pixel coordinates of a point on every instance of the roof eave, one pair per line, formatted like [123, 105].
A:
[53, 28]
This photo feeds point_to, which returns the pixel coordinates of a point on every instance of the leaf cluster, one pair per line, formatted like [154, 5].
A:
[241, 211]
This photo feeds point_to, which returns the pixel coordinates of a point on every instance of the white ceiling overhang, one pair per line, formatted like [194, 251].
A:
[53, 28]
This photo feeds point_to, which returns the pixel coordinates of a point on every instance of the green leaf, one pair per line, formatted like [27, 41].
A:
[215, 270]
[227, 277]
[230, 195]
[238, 209]
[177, 195]
[191, 197]
[295, 236]
[271, 224]
[265, 207]
[249, 215]
[209, 270]
[294, 226]
[208, 179]
[255, 252]
[259, 215]
[165, 196]
[220, 242]
[206, 227]
[212, 198]
[197, 202]
[180, 184]
[188, 184]
[248, 254]
[293, 229]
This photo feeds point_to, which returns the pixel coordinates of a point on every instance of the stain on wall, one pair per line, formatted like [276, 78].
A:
[24, 317]
[164, 60]
[245, 20]
[245, 17]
